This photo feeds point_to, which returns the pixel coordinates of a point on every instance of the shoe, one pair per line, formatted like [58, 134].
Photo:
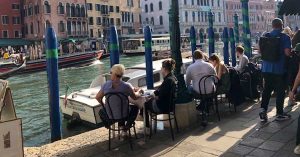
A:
[297, 149]
[263, 116]
[282, 117]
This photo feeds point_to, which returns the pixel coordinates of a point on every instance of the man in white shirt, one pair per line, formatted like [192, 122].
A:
[196, 71]
[243, 59]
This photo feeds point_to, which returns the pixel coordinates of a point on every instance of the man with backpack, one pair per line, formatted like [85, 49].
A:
[275, 47]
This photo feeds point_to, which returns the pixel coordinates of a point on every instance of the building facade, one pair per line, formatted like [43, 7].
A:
[11, 24]
[101, 15]
[293, 21]
[131, 17]
[261, 14]
[67, 17]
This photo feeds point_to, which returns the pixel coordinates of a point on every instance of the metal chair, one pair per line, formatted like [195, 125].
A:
[170, 112]
[117, 110]
[205, 97]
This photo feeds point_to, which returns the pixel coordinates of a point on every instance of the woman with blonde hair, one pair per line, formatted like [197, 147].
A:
[287, 30]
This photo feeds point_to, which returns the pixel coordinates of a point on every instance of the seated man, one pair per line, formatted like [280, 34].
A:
[243, 59]
[196, 71]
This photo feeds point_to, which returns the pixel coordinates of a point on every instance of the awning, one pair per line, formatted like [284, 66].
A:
[290, 7]
[14, 42]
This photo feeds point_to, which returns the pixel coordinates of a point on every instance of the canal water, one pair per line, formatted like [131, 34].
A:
[30, 94]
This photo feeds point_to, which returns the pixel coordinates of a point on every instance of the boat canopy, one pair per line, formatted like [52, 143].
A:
[14, 42]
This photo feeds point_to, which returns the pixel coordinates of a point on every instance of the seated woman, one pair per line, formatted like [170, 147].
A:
[161, 98]
[117, 85]
[222, 74]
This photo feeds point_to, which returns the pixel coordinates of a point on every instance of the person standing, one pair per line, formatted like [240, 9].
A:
[274, 73]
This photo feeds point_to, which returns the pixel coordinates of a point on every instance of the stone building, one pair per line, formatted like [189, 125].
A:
[10, 25]
[67, 17]
[131, 16]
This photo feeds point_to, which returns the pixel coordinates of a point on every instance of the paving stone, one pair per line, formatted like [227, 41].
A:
[270, 129]
[241, 150]
[261, 134]
[188, 146]
[283, 136]
[261, 153]
[290, 146]
[200, 153]
[230, 154]
[176, 153]
[284, 153]
[159, 149]
[271, 145]
[252, 141]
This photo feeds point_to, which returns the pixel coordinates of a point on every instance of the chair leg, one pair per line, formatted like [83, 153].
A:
[217, 109]
[155, 127]
[130, 140]
[109, 139]
[134, 131]
[150, 125]
[176, 123]
[119, 136]
[171, 128]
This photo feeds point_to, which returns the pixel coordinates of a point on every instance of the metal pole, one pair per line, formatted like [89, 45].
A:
[53, 84]
[232, 46]
[148, 57]
[246, 28]
[225, 48]
[236, 28]
[211, 34]
[114, 46]
[193, 40]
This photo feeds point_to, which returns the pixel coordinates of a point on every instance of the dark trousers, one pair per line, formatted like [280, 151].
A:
[150, 107]
[277, 83]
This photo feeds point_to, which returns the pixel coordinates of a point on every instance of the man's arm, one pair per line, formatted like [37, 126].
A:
[296, 84]
[188, 77]
[287, 46]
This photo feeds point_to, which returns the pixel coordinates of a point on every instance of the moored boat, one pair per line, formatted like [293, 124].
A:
[83, 106]
[9, 69]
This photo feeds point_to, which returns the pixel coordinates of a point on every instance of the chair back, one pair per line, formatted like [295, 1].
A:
[173, 97]
[208, 84]
[116, 106]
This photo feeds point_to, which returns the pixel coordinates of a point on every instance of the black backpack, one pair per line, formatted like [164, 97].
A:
[270, 47]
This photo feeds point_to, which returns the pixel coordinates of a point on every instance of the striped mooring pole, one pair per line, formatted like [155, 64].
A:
[114, 46]
[246, 28]
[193, 40]
[225, 48]
[53, 84]
[211, 34]
[232, 47]
[148, 57]
[236, 28]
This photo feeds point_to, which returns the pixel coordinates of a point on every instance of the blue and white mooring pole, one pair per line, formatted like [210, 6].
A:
[193, 40]
[148, 57]
[114, 46]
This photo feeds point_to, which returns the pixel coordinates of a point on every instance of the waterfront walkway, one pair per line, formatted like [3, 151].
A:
[237, 134]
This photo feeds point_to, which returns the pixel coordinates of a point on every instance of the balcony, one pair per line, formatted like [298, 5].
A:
[78, 34]
[127, 24]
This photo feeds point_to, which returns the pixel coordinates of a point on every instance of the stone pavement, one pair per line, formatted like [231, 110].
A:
[237, 134]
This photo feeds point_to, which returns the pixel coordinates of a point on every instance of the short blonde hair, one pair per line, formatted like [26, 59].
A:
[118, 69]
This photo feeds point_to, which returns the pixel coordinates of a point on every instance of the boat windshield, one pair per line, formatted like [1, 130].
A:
[131, 44]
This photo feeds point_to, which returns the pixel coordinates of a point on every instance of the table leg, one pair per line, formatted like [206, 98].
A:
[144, 117]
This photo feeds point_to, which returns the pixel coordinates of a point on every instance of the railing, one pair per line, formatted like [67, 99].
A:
[127, 24]
[77, 33]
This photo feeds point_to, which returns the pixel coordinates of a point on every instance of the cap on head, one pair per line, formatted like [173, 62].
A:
[277, 23]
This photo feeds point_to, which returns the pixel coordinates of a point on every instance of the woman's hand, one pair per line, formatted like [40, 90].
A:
[292, 95]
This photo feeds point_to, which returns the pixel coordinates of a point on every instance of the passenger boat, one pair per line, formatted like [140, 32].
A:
[82, 105]
[9, 68]
[67, 60]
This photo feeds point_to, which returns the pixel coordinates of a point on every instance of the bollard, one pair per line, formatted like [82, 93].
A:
[148, 57]
[53, 86]
[232, 46]
[193, 40]
[225, 48]
[114, 46]
[246, 28]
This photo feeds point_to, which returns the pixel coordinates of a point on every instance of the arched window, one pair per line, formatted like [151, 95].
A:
[186, 16]
[151, 7]
[69, 27]
[147, 20]
[161, 21]
[199, 16]
[31, 28]
[201, 30]
[73, 10]
[201, 3]
[77, 11]
[192, 2]
[198, 2]
[82, 11]
[184, 2]
[187, 30]
[160, 5]
[26, 29]
[212, 3]
[30, 10]
[220, 18]
[47, 7]
[218, 3]
[152, 20]
[25, 11]
[146, 8]
[47, 24]
[60, 8]
[73, 28]
[193, 15]
[68, 9]
[220, 29]
[61, 26]
[78, 28]
[257, 18]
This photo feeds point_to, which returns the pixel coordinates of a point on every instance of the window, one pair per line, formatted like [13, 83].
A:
[152, 20]
[26, 29]
[146, 8]
[36, 9]
[30, 10]
[198, 2]
[16, 20]
[91, 21]
[118, 21]
[61, 8]
[68, 9]
[89, 6]
[111, 8]
[161, 21]
[184, 2]
[31, 28]
[140, 18]
[193, 15]
[17, 34]
[4, 34]
[212, 2]
[160, 5]
[61, 26]
[132, 18]
[38, 26]
[25, 11]
[98, 20]
[82, 11]
[219, 14]
[192, 2]
[15, 6]
[73, 10]
[112, 21]
[47, 7]
[77, 10]
[117, 9]
[199, 16]
[186, 16]
[151, 7]
[5, 20]
[97, 7]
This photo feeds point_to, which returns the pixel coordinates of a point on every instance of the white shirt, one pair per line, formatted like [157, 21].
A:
[196, 71]
[243, 62]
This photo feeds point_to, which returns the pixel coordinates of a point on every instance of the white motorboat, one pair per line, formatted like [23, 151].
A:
[82, 105]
